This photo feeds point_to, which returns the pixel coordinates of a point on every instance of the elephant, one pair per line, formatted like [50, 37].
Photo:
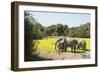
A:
[73, 44]
[62, 44]
[82, 45]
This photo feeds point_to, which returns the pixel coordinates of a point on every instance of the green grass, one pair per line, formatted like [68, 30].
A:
[48, 44]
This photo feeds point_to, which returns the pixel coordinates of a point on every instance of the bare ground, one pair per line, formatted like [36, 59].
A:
[64, 55]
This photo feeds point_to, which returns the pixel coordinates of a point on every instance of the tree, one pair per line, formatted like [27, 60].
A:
[66, 30]
[29, 24]
[52, 30]
[60, 29]
[38, 31]
[82, 31]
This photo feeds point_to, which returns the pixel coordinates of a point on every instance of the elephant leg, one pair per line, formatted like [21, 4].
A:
[71, 49]
[74, 50]
[59, 50]
[62, 50]
[85, 47]
[65, 49]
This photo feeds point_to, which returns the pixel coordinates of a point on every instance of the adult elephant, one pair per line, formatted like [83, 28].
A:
[82, 45]
[73, 44]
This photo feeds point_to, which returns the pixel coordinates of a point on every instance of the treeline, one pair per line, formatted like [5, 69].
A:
[82, 31]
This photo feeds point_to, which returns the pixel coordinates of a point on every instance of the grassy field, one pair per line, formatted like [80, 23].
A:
[48, 44]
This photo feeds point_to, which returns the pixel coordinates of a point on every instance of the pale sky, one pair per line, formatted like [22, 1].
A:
[71, 19]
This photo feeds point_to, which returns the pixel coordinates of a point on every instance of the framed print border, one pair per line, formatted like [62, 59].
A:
[15, 33]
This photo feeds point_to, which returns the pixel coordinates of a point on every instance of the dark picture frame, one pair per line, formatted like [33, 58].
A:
[15, 35]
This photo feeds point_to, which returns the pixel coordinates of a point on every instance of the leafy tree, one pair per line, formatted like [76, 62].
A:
[60, 29]
[66, 30]
[82, 31]
[32, 30]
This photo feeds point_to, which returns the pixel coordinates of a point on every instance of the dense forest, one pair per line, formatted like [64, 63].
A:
[35, 30]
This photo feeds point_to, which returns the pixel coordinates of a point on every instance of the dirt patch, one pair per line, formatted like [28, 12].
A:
[64, 55]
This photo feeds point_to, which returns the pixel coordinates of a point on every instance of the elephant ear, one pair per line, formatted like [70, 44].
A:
[69, 41]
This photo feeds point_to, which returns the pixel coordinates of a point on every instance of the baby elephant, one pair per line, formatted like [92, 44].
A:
[82, 45]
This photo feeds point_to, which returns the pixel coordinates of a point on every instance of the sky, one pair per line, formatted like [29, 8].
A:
[71, 19]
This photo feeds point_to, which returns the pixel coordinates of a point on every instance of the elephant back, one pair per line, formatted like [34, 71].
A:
[72, 42]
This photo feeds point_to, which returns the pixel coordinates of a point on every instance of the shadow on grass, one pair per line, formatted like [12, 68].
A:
[35, 58]
[80, 51]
